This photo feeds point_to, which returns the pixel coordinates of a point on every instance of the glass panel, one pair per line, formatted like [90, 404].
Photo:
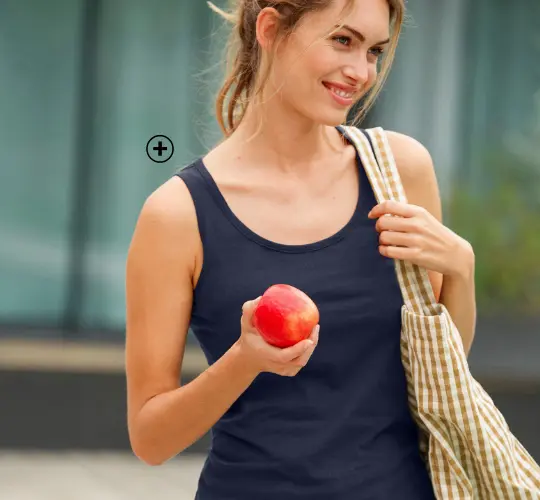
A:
[39, 64]
[148, 57]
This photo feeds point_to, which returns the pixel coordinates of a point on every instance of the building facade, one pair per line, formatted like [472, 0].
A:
[86, 83]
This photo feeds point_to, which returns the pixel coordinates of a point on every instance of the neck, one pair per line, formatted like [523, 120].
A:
[278, 137]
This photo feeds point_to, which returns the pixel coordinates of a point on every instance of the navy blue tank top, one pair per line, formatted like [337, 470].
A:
[340, 429]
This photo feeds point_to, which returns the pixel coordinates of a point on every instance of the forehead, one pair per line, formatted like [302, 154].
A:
[370, 17]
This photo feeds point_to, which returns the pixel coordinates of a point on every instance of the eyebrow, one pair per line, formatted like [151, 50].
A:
[359, 35]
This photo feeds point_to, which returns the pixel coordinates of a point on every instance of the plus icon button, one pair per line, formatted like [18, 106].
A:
[156, 146]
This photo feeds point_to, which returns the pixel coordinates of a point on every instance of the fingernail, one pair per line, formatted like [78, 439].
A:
[317, 329]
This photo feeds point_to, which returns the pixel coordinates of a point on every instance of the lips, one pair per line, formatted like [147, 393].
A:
[345, 91]
[344, 98]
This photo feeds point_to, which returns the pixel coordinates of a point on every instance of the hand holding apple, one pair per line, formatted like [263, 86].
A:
[260, 356]
[285, 315]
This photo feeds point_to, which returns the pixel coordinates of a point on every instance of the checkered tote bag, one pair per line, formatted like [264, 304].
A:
[468, 448]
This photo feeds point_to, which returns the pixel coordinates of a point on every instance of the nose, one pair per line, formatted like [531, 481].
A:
[357, 70]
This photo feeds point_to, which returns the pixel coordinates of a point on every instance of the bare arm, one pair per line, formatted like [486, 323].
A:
[458, 295]
[456, 292]
[164, 418]
[170, 422]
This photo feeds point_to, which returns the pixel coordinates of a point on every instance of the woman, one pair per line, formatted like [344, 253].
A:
[285, 199]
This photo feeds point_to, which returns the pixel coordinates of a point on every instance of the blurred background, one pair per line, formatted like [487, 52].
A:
[86, 83]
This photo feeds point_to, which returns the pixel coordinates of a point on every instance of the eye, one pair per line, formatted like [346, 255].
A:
[343, 40]
[377, 51]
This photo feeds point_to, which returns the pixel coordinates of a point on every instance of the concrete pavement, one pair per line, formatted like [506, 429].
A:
[95, 476]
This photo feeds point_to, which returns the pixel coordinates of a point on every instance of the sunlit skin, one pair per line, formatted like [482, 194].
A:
[311, 64]
[300, 108]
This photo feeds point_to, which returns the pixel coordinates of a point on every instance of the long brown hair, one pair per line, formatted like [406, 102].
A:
[242, 82]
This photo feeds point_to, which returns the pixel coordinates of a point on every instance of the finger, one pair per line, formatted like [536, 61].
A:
[402, 253]
[289, 353]
[304, 357]
[398, 239]
[315, 335]
[302, 360]
[401, 224]
[394, 208]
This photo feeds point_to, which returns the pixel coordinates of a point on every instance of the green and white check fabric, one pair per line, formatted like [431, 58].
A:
[468, 448]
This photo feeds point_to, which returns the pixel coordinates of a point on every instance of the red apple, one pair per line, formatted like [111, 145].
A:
[285, 315]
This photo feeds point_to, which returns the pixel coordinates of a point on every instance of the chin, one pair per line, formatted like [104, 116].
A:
[330, 118]
[323, 113]
[334, 121]
[327, 114]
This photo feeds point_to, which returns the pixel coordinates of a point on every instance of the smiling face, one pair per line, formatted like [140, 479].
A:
[321, 75]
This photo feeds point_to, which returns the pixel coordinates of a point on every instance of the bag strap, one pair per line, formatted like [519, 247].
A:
[384, 178]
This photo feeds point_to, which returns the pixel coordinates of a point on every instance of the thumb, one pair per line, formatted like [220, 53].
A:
[247, 313]
[250, 305]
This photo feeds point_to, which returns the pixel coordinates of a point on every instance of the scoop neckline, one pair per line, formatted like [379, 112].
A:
[283, 247]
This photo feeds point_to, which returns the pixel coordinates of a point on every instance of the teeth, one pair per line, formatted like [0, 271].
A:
[342, 93]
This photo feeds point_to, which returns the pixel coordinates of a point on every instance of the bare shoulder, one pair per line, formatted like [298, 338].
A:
[168, 216]
[413, 159]
[417, 172]
[170, 204]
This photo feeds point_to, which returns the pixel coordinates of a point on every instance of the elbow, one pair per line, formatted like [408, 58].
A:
[149, 451]
[146, 455]
[149, 444]
[148, 458]
[145, 448]
[142, 445]
[150, 461]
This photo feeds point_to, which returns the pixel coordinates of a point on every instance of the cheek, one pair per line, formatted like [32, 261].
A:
[318, 64]
[306, 74]
[322, 61]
